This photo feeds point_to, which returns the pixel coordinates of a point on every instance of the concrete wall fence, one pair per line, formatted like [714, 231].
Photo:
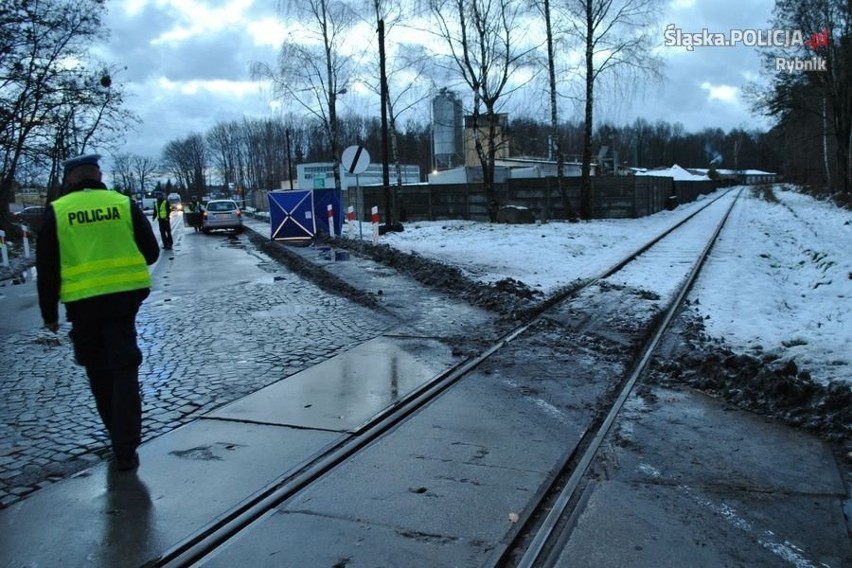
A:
[613, 197]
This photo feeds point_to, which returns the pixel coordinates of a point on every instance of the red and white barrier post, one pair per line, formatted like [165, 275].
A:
[26, 237]
[350, 222]
[375, 219]
[4, 254]
[330, 220]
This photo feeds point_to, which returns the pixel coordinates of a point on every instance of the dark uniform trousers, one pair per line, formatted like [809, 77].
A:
[166, 232]
[108, 350]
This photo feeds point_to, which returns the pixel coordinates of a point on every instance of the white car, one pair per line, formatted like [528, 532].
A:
[222, 214]
[175, 202]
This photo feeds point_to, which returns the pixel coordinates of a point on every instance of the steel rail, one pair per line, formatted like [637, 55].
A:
[213, 535]
[535, 551]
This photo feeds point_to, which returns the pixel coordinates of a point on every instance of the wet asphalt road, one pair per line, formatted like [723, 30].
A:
[223, 320]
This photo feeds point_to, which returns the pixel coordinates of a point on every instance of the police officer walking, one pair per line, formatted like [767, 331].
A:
[162, 212]
[92, 255]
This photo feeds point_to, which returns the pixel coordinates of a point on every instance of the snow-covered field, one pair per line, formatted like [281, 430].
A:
[779, 280]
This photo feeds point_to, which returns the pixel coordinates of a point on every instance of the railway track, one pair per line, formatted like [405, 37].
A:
[674, 258]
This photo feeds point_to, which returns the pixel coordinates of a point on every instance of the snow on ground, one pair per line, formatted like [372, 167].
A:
[545, 257]
[783, 283]
[780, 278]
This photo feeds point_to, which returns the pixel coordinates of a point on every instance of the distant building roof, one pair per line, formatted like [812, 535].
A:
[675, 172]
[525, 162]
[729, 172]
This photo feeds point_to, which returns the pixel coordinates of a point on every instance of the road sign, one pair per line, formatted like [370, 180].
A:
[355, 159]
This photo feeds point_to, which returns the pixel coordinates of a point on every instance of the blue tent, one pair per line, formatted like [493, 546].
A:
[322, 199]
[291, 215]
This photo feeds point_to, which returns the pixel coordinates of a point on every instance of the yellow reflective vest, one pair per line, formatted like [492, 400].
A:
[97, 248]
[163, 209]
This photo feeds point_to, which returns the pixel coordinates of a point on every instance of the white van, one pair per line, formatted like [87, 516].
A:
[175, 202]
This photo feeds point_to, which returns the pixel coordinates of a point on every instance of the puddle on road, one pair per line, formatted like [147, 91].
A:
[328, 253]
[282, 310]
[270, 279]
[343, 392]
[203, 453]
[234, 241]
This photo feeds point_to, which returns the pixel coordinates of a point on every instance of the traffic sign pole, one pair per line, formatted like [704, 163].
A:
[356, 159]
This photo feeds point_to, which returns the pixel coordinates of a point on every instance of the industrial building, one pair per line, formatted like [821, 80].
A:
[320, 175]
[447, 144]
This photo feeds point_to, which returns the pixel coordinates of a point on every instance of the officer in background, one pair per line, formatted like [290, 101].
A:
[195, 210]
[162, 213]
[92, 255]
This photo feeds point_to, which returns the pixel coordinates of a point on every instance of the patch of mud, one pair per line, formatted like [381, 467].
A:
[316, 274]
[767, 385]
[508, 297]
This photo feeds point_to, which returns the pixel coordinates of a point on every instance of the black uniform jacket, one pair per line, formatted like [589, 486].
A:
[97, 307]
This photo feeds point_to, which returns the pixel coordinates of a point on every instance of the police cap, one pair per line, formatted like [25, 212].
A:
[87, 160]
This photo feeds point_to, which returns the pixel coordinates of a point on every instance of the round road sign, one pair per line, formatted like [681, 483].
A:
[355, 159]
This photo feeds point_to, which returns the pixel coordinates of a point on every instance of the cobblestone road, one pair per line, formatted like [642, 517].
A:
[201, 350]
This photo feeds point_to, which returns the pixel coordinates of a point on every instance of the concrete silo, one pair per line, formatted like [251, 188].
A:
[447, 150]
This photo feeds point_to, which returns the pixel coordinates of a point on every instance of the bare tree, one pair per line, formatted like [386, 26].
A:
[187, 160]
[544, 6]
[144, 168]
[175, 161]
[412, 66]
[123, 178]
[486, 44]
[614, 34]
[223, 141]
[91, 109]
[312, 71]
[88, 111]
[404, 71]
[266, 143]
[52, 104]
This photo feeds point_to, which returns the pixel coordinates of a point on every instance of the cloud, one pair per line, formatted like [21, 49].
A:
[724, 93]
[188, 66]
[267, 32]
[703, 87]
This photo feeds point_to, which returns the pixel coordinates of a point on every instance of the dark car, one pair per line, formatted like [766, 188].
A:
[29, 216]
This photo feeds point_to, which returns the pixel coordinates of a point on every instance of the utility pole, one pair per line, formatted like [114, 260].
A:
[289, 157]
[384, 97]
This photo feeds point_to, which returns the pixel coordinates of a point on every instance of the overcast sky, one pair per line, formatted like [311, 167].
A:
[188, 66]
